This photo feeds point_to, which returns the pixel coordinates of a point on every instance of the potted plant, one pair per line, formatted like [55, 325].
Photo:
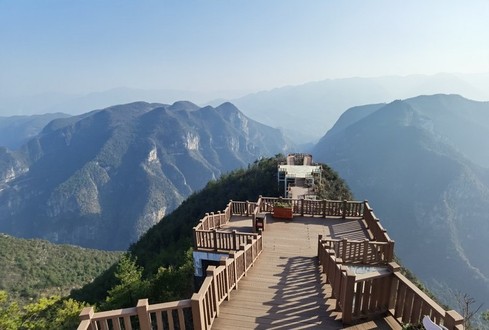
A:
[282, 209]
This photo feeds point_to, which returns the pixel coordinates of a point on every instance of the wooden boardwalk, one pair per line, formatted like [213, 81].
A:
[285, 288]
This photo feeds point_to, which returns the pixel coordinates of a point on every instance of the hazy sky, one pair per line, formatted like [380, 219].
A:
[83, 46]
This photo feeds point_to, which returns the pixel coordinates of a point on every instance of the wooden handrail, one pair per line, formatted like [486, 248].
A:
[220, 281]
[364, 252]
[214, 240]
[203, 306]
[365, 296]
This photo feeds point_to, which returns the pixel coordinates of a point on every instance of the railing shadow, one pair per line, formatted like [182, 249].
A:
[300, 299]
[349, 229]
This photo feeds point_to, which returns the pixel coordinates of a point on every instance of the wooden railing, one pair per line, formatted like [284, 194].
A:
[366, 295]
[323, 208]
[214, 220]
[215, 240]
[198, 312]
[171, 315]
[373, 223]
[364, 252]
[409, 304]
[205, 236]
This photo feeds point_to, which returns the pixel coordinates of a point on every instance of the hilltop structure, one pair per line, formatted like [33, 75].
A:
[298, 176]
[329, 266]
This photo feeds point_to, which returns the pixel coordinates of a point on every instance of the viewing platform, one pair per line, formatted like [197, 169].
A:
[328, 265]
[285, 289]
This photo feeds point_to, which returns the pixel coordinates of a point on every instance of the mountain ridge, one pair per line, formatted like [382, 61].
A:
[133, 162]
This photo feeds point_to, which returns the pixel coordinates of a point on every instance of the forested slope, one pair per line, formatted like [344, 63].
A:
[31, 268]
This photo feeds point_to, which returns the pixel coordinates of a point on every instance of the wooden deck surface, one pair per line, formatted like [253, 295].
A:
[285, 288]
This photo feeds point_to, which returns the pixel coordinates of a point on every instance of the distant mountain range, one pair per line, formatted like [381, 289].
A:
[304, 112]
[103, 178]
[309, 110]
[17, 130]
[423, 165]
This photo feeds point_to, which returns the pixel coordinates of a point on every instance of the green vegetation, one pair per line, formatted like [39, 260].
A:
[332, 186]
[34, 268]
[44, 314]
[283, 204]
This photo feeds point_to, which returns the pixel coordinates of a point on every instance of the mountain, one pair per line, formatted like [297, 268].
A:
[421, 162]
[33, 268]
[314, 107]
[16, 130]
[103, 178]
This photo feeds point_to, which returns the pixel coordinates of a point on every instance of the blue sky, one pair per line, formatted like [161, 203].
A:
[85, 46]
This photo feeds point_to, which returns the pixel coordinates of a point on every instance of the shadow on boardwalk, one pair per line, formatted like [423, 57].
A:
[300, 299]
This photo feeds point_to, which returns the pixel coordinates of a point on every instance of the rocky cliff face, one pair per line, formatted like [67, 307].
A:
[416, 160]
[103, 178]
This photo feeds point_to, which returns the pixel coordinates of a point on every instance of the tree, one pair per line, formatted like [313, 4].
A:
[466, 305]
[67, 314]
[38, 315]
[10, 317]
[173, 283]
[43, 314]
[130, 287]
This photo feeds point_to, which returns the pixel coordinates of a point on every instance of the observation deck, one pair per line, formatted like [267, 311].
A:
[329, 267]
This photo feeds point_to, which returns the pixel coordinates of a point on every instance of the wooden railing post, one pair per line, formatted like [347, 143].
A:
[249, 241]
[224, 262]
[452, 320]
[345, 203]
[86, 318]
[235, 243]
[302, 206]
[337, 263]
[390, 249]
[214, 237]
[320, 237]
[232, 255]
[196, 242]
[344, 244]
[243, 248]
[211, 271]
[347, 297]
[206, 223]
[198, 312]
[394, 268]
[365, 250]
[143, 315]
